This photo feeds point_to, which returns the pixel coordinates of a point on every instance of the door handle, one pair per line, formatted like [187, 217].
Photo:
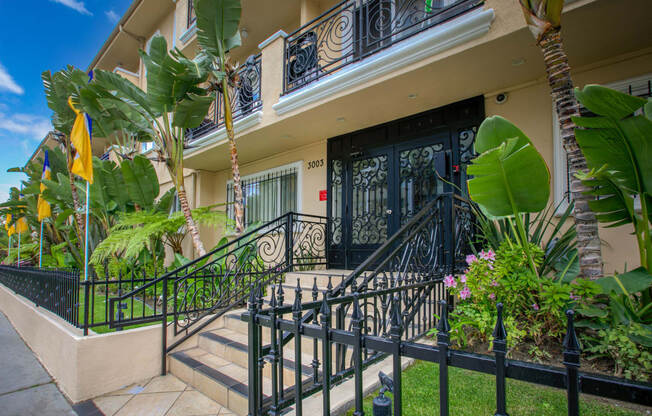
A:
[388, 212]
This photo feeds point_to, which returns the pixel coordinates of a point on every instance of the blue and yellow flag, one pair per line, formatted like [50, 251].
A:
[43, 206]
[80, 137]
[10, 230]
[21, 223]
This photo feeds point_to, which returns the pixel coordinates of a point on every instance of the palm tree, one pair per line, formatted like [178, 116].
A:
[544, 20]
[59, 87]
[217, 34]
[173, 103]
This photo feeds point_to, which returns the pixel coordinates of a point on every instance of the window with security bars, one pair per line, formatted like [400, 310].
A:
[639, 87]
[266, 195]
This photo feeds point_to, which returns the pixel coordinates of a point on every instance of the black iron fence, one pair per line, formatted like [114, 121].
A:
[56, 290]
[353, 29]
[85, 303]
[363, 343]
[411, 264]
[244, 94]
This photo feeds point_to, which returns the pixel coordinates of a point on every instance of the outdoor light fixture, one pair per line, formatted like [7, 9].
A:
[244, 33]
[518, 61]
[412, 96]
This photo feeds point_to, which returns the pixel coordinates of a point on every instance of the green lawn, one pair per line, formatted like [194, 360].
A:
[100, 307]
[473, 394]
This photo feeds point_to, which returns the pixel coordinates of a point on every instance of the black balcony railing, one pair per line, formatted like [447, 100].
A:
[244, 94]
[192, 16]
[355, 29]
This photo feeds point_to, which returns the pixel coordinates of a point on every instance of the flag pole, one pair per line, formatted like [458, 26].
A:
[88, 192]
[40, 250]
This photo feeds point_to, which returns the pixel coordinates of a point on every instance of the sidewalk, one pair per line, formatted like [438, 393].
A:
[25, 387]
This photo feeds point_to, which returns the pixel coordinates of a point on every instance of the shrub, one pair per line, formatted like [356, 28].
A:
[534, 306]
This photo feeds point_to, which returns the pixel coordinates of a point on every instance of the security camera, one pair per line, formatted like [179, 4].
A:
[501, 98]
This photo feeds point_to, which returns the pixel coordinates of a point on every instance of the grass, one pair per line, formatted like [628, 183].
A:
[99, 312]
[473, 394]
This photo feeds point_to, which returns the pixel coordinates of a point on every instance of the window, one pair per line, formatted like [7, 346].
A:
[640, 86]
[146, 147]
[192, 16]
[268, 194]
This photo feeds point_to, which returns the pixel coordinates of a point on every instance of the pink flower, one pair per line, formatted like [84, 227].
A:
[575, 297]
[465, 293]
[470, 259]
[491, 266]
[494, 283]
[535, 306]
[492, 296]
[463, 278]
[449, 281]
[490, 255]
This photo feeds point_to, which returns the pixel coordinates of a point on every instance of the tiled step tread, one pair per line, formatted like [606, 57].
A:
[237, 384]
[238, 341]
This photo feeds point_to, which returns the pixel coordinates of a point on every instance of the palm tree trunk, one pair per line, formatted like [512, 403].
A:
[235, 167]
[190, 222]
[559, 78]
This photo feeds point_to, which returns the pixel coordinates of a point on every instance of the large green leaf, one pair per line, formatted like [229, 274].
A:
[511, 178]
[633, 281]
[217, 24]
[610, 103]
[141, 181]
[191, 112]
[496, 130]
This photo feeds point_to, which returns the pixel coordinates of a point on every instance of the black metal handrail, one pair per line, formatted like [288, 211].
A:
[244, 94]
[195, 294]
[411, 263]
[353, 30]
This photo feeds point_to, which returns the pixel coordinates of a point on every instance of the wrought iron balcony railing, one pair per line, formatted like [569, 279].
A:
[245, 95]
[355, 29]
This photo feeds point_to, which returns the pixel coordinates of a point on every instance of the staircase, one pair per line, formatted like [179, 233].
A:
[217, 365]
[203, 302]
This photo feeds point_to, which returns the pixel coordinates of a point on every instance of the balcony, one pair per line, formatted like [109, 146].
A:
[245, 95]
[353, 30]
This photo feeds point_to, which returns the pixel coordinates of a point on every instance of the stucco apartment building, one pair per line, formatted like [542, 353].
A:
[345, 108]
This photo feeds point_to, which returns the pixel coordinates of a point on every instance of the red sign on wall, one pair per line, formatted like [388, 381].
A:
[323, 195]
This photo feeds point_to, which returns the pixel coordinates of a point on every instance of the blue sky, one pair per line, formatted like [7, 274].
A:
[37, 35]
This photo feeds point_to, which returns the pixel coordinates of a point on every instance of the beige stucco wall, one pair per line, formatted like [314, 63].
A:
[88, 366]
[530, 107]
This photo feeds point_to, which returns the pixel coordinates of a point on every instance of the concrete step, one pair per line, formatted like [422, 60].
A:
[233, 347]
[222, 381]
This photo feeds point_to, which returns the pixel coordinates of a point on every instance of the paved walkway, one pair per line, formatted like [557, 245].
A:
[25, 387]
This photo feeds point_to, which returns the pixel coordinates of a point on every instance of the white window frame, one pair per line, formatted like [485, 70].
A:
[298, 165]
[560, 164]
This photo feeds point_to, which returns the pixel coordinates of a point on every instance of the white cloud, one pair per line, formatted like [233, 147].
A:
[75, 5]
[34, 127]
[112, 16]
[7, 83]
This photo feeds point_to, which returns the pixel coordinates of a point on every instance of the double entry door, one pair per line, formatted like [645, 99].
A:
[373, 192]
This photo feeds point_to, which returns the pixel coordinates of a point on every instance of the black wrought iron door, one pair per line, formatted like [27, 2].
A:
[388, 186]
[371, 214]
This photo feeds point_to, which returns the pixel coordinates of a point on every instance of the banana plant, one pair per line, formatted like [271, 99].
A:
[173, 103]
[543, 18]
[510, 177]
[217, 34]
[617, 142]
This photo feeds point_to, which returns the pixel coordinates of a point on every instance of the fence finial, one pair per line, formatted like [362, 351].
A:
[324, 311]
[571, 343]
[443, 325]
[315, 290]
[395, 318]
[296, 307]
[272, 301]
[356, 315]
[252, 296]
[329, 288]
[281, 294]
[500, 334]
